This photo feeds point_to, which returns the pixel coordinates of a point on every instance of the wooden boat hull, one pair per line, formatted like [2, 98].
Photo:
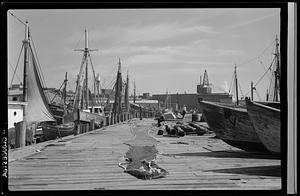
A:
[57, 131]
[266, 121]
[98, 119]
[232, 125]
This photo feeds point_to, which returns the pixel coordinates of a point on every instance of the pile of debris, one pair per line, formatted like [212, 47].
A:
[181, 129]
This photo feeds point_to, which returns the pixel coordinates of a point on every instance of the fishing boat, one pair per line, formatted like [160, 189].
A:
[58, 131]
[231, 123]
[83, 110]
[266, 121]
[265, 116]
[59, 128]
[36, 109]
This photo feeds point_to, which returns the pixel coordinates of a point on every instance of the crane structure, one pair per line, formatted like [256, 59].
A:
[204, 87]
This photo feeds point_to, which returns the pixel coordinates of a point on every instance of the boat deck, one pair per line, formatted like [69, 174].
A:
[90, 162]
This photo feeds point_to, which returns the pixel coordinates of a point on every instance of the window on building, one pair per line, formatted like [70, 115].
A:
[15, 98]
[15, 113]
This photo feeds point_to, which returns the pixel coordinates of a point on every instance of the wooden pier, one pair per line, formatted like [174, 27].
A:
[89, 161]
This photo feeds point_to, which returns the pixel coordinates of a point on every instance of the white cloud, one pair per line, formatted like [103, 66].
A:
[247, 22]
[134, 34]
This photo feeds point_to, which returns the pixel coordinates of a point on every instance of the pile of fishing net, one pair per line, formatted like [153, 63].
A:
[143, 170]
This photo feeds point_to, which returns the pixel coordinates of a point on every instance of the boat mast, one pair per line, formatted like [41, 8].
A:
[277, 72]
[86, 51]
[82, 88]
[127, 93]
[236, 85]
[117, 108]
[26, 61]
[98, 87]
[65, 88]
[252, 88]
[134, 89]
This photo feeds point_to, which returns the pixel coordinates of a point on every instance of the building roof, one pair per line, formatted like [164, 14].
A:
[16, 103]
[15, 92]
[145, 101]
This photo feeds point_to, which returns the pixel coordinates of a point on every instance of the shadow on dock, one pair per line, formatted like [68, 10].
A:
[228, 154]
[273, 170]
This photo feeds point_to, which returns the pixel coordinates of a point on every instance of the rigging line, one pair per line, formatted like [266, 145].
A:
[38, 62]
[56, 93]
[39, 74]
[112, 83]
[256, 57]
[240, 89]
[17, 64]
[17, 18]
[79, 39]
[39, 68]
[262, 76]
[264, 73]
[92, 66]
[16, 74]
[258, 95]
[267, 48]
[231, 82]
[263, 67]
[114, 69]
[113, 80]
[111, 92]
[104, 84]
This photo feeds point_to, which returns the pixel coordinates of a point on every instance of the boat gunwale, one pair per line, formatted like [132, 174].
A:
[248, 103]
[233, 107]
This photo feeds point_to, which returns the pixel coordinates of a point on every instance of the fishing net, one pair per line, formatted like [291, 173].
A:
[143, 170]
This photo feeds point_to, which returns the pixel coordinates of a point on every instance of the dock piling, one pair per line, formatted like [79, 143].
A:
[92, 127]
[20, 134]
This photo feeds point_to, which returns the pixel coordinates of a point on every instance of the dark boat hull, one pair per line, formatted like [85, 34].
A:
[52, 132]
[232, 125]
[266, 121]
[98, 119]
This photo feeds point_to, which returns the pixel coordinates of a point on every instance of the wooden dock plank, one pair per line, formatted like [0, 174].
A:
[90, 162]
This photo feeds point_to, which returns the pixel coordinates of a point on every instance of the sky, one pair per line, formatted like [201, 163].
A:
[161, 49]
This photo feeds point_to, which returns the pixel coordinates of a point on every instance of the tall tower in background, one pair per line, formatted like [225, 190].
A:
[204, 87]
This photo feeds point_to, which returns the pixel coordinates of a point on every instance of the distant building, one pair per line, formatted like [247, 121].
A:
[204, 91]
[146, 103]
[177, 101]
[146, 95]
[204, 87]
